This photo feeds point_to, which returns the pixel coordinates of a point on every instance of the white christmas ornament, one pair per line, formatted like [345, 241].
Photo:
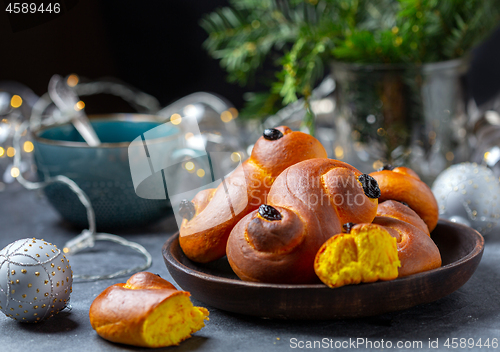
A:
[35, 280]
[469, 193]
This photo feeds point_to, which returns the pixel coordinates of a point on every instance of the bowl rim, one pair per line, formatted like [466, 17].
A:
[168, 256]
[114, 117]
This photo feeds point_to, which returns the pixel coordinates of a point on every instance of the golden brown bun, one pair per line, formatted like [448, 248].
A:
[416, 250]
[314, 198]
[404, 185]
[146, 311]
[397, 210]
[204, 237]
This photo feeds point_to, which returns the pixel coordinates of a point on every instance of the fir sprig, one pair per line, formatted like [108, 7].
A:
[300, 37]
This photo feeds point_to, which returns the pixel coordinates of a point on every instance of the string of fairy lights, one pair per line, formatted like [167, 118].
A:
[11, 117]
[10, 122]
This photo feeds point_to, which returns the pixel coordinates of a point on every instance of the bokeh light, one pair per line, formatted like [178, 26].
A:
[11, 152]
[16, 101]
[176, 119]
[189, 166]
[79, 106]
[235, 157]
[28, 147]
[72, 80]
[226, 116]
[14, 172]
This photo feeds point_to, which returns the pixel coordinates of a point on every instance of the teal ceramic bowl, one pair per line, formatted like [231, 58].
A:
[102, 172]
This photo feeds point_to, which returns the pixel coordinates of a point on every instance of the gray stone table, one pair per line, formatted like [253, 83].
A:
[472, 312]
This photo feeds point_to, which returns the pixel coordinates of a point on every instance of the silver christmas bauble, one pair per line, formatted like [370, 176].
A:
[35, 280]
[470, 194]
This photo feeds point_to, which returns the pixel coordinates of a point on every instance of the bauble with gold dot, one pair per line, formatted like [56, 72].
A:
[35, 280]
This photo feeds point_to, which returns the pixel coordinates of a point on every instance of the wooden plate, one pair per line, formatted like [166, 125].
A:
[216, 285]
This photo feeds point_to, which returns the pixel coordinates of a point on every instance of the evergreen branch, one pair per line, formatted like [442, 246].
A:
[307, 34]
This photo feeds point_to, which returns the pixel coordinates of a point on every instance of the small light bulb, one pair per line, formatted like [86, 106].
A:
[235, 157]
[377, 165]
[16, 101]
[233, 112]
[226, 116]
[14, 172]
[11, 152]
[339, 152]
[72, 80]
[79, 106]
[176, 119]
[28, 147]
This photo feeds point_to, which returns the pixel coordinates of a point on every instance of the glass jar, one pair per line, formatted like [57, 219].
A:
[404, 115]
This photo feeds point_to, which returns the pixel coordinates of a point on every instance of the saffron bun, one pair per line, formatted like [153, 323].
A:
[367, 254]
[416, 250]
[395, 244]
[404, 185]
[212, 214]
[146, 311]
[397, 210]
[307, 204]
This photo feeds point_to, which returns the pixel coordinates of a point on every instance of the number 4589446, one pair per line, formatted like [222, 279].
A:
[470, 343]
[24, 7]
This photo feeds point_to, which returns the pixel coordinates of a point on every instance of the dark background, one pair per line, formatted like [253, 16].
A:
[155, 46]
